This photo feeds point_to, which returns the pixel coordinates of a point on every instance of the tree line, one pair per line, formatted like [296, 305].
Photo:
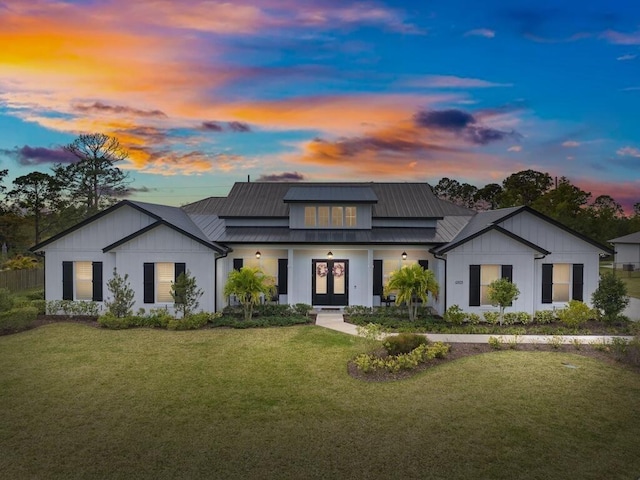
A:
[601, 219]
[38, 205]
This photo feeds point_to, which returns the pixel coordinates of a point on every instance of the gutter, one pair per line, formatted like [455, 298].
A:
[215, 277]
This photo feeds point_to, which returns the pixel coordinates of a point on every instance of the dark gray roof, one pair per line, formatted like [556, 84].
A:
[208, 205]
[328, 194]
[490, 220]
[631, 238]
[482, 220]
[211, 225]
[266, 199]
[375, 236]
[175, 216]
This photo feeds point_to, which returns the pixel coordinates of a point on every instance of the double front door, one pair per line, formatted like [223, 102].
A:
[330, 282]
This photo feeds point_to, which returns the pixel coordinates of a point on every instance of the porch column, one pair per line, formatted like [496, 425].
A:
[370, 277]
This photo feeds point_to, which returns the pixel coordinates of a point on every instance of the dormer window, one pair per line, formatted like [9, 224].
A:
[323, 216]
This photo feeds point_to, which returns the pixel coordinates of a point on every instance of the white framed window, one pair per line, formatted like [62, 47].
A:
[323, 216]
[165, 276]
[84, 280]
[309, 216]
[561, 282]
[350, 219]
[336, 216]
[488, 274]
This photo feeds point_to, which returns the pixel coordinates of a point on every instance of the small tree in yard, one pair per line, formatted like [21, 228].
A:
[502, 293]
[410, 284]
[248, 284]
[186, 294]
[122, 295]
[610, 298]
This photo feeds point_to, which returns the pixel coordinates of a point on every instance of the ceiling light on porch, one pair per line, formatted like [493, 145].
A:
[329, 255]
[258, 254]
[404, 255]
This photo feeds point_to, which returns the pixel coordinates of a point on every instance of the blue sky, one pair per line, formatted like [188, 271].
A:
[206, 93]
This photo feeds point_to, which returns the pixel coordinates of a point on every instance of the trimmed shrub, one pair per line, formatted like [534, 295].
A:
[403, 343]
[544, 316]
[512, 318]
[302, 309]
[491, 318]
[192, 321]
[367, 362]
[473, 318]
[110, 321]
[454, 314]
[575, 314]
[40, 306]
[272, 310]
[17, 319]
[611, 297]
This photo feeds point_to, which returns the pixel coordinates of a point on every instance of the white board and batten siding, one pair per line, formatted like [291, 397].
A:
[492, 248]
[495, 248]
[86, 243]
[160, 245]
[564, 247]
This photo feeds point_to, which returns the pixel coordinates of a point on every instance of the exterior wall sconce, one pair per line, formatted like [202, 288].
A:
[404, 255]
[258, 254]
[330, 255]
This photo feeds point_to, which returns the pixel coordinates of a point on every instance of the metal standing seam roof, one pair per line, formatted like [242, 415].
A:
[482, 220]
[176, 217]
[327, 194]
[395, 200]
[234, 235]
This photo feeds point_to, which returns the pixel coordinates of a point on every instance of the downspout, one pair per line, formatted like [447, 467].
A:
[446, 290]
[215, 273]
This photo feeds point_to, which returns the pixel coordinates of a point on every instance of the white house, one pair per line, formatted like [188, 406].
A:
[326, 244]
[627, 250]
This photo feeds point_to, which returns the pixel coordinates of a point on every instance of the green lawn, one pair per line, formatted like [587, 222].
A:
[79, 402]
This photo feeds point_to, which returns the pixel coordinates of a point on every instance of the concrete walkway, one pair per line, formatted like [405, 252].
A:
[335, 321]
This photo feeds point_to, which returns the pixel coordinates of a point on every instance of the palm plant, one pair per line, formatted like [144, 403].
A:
[412, 284]
[248, 284]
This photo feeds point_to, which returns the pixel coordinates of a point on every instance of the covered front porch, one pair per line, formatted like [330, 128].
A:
[329, 275]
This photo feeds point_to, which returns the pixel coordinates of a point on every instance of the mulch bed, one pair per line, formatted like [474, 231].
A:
[461, 350]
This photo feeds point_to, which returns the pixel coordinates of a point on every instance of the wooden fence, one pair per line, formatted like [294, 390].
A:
[17, 280]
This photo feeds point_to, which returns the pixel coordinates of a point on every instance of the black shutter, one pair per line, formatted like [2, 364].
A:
[474, 285]
[547, 283]
[67, 280]
[149, 283]
[283, 275]
[377, 277]
[424, 264]
[507, 272]
[97, 281]
[179, 268]
[578, 281]
[237, 263]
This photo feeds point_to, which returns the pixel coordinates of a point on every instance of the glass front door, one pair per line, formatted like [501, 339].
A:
[330, 282]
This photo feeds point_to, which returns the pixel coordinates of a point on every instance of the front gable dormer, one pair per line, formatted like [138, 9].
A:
[330, 207]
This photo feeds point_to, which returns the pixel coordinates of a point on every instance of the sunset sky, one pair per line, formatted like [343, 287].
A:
[205, 93]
